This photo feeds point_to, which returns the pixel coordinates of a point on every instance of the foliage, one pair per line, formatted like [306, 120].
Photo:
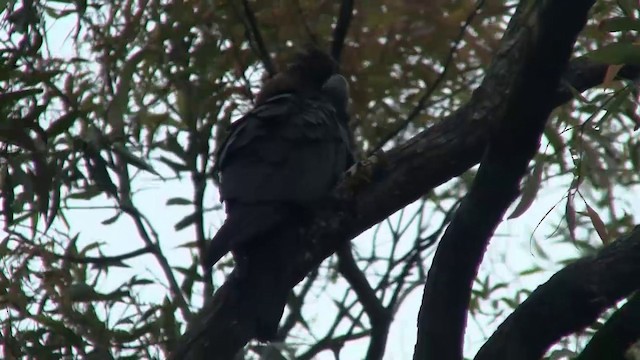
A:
[100, 101]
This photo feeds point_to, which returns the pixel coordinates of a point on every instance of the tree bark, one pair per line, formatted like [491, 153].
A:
[571, 300]
[545, 51]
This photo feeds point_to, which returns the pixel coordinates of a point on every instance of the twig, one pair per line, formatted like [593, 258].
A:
[162, 260]
[422, 102]
[103, 260]
[379, 316]
[341, 29]
[258, 42]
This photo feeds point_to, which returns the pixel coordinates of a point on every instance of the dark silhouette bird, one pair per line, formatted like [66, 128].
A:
[279, 162]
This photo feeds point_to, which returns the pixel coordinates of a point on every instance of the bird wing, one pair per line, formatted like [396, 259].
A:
[291, 150]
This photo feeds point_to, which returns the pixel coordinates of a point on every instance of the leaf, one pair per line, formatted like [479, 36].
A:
[179, 201]
[81, 292]
[598, 224]
[98, 172]
[619, 53]
[529, 190]
[620, 24]
[9, 97]
[189, 245]
[61, 124]
[570, 217]
[88, 193]
[54, 203]
[189, 279]
[7, 193]
[60, 329]
[132, 159]
[175, 166]
[172, 145]
[112, 219]
[610, 75]
[135, 281]
[186, 221]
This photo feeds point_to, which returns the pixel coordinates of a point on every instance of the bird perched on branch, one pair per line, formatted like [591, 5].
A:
[278, 163]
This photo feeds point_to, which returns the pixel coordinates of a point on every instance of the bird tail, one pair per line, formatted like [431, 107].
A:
[265, 280]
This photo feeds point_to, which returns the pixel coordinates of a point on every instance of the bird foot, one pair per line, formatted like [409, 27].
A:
[363, 172]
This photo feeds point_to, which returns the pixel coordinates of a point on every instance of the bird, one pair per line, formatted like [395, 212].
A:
[278, 164]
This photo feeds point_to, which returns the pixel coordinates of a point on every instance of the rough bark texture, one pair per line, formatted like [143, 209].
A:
[615, 337]
[402, 175]
[545, 52]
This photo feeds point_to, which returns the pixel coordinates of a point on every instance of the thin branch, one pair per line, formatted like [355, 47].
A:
[176, 292]
[570, 301]
[379, 316]
[422, 102]
[341, 29]
[256, 40]
[102, 260]
[331, 344]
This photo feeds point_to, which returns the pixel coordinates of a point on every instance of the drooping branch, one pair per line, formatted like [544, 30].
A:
[403, 175]
[615, 337]
[571, 300]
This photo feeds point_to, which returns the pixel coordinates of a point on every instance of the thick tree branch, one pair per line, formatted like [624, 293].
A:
[545, 53]
[616, 336]
[429, 159]
[571, 300]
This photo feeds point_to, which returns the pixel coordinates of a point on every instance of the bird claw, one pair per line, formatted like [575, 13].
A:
[363, 172]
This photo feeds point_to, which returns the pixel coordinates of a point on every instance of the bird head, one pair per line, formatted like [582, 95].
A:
[308, 72]
[336, 89]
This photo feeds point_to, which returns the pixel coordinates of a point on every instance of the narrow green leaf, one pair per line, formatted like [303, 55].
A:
[112, 219]
[186, 221]
[620, 24]
[88, 193]
[529, 190]
[175, 166]
[179, 201]
[620, 53]
[132, 159]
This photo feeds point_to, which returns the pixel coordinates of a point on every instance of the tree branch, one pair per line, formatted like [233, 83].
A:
[341, 29]
[571, 300]
[379, 316]
[103, 260]
[258, 42]
[617, 335]
[402, 176]
[545, 53]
